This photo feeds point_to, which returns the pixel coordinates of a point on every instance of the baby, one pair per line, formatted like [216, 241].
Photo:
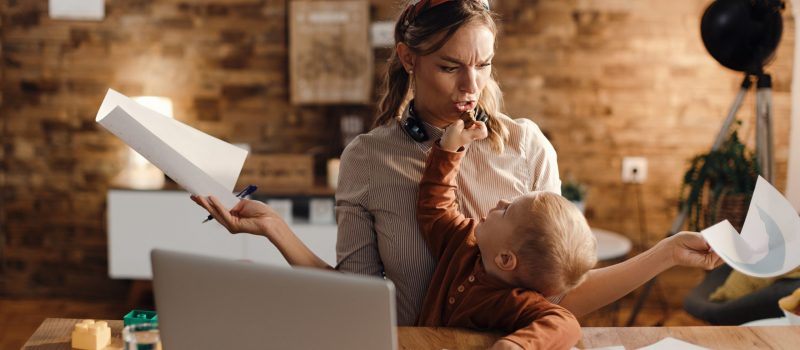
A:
[495, 273]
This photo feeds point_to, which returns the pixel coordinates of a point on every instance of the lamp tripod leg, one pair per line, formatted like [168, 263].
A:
[764, 130]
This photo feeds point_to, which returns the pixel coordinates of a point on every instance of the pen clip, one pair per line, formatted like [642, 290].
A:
[247, 191]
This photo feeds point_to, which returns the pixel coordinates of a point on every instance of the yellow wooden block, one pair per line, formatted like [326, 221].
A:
[91, 335]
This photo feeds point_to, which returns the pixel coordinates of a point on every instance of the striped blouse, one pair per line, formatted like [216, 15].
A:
[376, 199]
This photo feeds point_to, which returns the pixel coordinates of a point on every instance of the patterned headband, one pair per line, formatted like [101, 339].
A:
[417, 7]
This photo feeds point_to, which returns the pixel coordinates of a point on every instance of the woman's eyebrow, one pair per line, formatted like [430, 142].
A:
[457, 61]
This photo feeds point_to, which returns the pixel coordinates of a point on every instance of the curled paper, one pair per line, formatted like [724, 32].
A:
[200, 163]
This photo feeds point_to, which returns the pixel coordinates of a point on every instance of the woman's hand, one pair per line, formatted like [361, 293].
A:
[247, 216]
[456, 136]
[690, 249]
[505, 344]
[259, 219]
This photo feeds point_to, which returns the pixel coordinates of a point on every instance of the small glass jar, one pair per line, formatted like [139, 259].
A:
[141, 336]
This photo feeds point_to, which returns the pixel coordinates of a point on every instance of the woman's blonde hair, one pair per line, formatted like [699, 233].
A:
[555, 246]
[418, 35]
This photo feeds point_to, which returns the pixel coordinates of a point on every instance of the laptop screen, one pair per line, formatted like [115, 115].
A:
[212, 303]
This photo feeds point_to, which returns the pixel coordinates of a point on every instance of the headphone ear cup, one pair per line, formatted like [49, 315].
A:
[481, 116]
[414, 129]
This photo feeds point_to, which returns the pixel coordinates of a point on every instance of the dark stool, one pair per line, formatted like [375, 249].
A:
[758, 305]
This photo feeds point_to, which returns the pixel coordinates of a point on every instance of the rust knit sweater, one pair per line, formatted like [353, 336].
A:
[461, 292]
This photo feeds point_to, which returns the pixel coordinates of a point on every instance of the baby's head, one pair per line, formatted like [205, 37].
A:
[540, 241]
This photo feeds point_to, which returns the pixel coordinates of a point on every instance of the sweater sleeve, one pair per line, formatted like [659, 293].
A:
[438, 214]
[543, 325]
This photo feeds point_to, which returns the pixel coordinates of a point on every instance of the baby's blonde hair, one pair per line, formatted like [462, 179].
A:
[555, 246]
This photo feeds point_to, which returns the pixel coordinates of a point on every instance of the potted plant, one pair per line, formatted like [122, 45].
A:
[719, 184]
[575, 192]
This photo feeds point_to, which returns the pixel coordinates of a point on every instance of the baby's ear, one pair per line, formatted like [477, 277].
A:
[506, 260]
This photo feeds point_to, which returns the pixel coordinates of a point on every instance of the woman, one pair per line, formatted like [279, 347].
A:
[442, 64]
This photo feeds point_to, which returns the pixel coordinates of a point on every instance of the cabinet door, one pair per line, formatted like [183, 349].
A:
[139, 221]
[320, 238]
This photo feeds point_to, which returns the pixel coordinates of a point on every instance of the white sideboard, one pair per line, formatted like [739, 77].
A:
[139, 221]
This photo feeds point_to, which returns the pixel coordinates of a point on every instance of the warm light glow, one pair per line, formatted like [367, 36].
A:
[159, 104]
[163, 106]
[139, 173]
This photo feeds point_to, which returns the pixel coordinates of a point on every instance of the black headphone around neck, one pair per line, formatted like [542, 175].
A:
[414, 127]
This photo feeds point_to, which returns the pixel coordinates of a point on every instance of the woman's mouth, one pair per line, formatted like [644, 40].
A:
[464, 105]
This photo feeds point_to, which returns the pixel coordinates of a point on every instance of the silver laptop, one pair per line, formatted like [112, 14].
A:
[213, 303]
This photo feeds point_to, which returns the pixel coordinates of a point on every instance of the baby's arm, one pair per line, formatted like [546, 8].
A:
[552, 327]
[437, 211]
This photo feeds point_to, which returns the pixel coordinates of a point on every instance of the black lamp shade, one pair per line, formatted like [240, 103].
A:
[742, 34]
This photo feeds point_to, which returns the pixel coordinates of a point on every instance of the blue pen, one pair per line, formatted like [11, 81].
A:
[245, 192]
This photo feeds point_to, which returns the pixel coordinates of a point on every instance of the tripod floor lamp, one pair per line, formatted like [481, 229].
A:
[741, 35]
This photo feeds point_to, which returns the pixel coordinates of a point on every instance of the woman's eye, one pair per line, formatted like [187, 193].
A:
[485, 65]
[448, 69]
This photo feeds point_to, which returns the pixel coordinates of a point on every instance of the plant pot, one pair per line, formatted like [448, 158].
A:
[731, 207]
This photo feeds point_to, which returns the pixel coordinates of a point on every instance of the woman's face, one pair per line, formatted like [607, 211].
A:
[450, 80]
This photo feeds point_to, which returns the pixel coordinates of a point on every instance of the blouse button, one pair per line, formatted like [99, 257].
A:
[452, 300]
[461, 288]
[471, 278]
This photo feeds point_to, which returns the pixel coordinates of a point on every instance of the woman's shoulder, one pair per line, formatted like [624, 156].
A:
[519, 124]
[372, 143]
[523, 130]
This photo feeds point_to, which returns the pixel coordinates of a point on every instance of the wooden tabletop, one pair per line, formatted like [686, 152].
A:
[54, 333]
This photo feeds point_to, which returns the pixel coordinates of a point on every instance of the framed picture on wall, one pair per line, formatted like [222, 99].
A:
[330, 58]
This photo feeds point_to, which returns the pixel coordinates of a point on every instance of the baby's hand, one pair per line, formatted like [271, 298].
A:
[456, 135]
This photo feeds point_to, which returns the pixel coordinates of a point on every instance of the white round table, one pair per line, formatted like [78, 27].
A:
[777, 321]
[611, 245]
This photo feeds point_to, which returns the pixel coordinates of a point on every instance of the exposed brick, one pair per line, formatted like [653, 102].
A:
[604, 79]
[234, 93]
[207, 108]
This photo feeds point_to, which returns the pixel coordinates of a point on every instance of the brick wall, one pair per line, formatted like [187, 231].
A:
[609, 79]
[605, 79]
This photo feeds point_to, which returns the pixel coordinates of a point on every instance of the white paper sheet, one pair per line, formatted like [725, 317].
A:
[670, 343]
[769, 245]
[202, 164]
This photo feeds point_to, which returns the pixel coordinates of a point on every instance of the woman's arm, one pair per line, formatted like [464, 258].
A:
[356, 240]
[257, 218]
[605, 285]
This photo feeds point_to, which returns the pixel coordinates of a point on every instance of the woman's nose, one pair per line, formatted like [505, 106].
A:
[469, 81]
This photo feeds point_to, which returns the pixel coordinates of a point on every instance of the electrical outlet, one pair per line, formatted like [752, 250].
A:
[634, 169]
